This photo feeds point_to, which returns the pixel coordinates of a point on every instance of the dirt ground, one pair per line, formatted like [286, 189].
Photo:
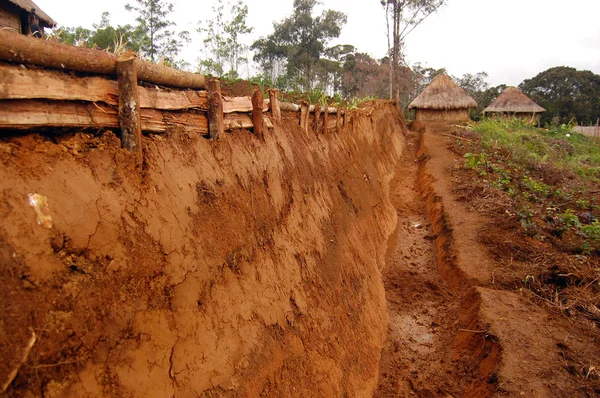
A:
[242, 268]
[458, 325]
[229, 268]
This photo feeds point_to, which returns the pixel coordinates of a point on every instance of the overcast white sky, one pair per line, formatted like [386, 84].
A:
[511, 40]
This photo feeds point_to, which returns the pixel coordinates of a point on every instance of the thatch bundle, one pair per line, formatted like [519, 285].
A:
[513, 100]
[443, 93]
[27, 5]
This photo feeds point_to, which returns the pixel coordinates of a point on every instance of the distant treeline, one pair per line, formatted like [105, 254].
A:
[297, 56]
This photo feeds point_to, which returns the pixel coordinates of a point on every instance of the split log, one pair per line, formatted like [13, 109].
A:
[325, 120]
[241, 104]
[24, 83]
[129, 105]
[242, 121]
[30, 50]
[317, 115]
[329, 109]
[274, 104]
[289, 107]
[34, 114]
[215, 109]
[257, 117]
[338, 121]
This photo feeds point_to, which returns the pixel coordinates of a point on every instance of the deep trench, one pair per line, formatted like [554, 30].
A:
[423, 354]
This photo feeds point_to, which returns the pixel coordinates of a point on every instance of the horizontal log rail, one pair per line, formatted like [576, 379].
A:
[33, 114]
[108, 96]
[19, 48]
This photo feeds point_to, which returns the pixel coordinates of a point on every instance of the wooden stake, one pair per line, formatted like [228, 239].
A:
[274, 104]
[304, 116]
[215, 109]
[325, 120]
[129, 104]
[317, 114]
[257, 116]
[338, 121]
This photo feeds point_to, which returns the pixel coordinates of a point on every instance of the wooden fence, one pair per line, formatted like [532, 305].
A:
[48, 84]
[591, 131]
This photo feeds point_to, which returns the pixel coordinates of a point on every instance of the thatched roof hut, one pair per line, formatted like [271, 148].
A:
[513, 101]
[443, 100]
[13, 15]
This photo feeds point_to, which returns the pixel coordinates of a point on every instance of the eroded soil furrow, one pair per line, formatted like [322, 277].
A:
[423, 311]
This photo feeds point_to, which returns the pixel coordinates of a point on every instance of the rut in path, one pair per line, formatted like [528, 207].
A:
[417, 357]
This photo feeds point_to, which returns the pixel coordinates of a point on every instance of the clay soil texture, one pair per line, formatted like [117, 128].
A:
[484, 301]
[236, 267]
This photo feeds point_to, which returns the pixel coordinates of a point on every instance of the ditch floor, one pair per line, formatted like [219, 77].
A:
[454, 330]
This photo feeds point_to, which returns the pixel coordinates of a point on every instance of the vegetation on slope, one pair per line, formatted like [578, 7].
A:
[540, 189]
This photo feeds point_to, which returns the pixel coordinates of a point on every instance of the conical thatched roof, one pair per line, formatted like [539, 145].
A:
[27, 5]
[443, 93]
[512, 100]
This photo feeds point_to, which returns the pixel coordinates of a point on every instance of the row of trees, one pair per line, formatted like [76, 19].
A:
[297, 55]
[153, 35]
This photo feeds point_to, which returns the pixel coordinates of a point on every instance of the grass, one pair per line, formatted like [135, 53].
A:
[552, 176]
[558, 146]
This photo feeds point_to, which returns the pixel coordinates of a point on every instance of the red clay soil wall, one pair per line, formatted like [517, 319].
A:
[433, 115]
[230, 268]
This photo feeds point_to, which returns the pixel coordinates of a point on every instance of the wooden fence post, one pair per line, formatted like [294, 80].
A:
[325, 119]
[274, 104]
[257, 116]
[130, 120]
[216, 127]
[338, 120]
[304, 116]
[317, 114]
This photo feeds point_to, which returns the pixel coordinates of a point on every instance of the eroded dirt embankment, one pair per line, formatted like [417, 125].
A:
[223, 268]
[464, 334]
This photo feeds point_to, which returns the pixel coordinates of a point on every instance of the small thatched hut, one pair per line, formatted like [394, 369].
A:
[442, 100]
[514, 103]
[14, 16]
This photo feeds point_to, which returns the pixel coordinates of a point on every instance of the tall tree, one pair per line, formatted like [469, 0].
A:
[402, 17]
[365, 76]
[158, 40]
[566, 93]
[301, 40]
[223, 40]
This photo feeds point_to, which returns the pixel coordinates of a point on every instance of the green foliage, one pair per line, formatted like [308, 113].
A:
[566, 93]
[473, 160]
[103, 36]
[299, 44]
[559, 146]
[224, 47]
[530, 165]
[157, 39]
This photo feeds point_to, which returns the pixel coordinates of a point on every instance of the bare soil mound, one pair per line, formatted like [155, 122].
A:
[230, 268]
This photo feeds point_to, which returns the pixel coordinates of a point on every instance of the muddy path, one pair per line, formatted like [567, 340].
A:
[417, 356]
[453, 331]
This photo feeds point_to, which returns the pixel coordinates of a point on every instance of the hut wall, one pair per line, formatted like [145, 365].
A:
[454, 115]
[526, 117]
[10, 16]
